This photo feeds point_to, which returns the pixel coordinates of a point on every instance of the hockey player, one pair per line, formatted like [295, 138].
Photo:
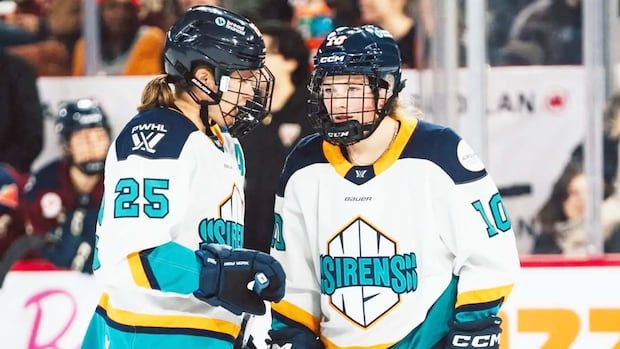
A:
[62, 199]
[11, 210]
[389, 229]
[171, 225]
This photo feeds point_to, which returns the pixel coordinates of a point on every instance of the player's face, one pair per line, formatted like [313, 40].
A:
[90, 144]
[349, 97]
[240, 90]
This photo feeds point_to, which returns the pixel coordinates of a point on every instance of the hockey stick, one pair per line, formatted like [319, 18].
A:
[239, 342]
[258, 285]
[18, 249]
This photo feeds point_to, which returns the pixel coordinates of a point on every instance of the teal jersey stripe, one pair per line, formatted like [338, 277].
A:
[277, 324]
[101, 336]
[466, 316]
[171, 268]
[435, 326]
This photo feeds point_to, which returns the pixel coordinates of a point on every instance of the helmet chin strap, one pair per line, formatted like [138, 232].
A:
[216, 98]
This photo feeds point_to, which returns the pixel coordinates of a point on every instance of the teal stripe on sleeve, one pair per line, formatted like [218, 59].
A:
[171, 268]
[277, 324]
[435, 326]
[467, 316]
[102, 336]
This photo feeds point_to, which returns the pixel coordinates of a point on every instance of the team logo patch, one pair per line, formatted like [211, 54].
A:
[51, 205]
[145, 137]
[468, 158]
[364, 275]
[225, 229]
[360, 173]
[9, 195]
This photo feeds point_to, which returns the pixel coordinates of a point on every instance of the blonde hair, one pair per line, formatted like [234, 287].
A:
[399, 108]
[157, 94]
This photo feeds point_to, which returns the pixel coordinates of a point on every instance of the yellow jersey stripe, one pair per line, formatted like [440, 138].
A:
[218, 133]
[483, 296]
[296, 314]
[128, 318]
[137, 270]
[407, 126]
[335, 157]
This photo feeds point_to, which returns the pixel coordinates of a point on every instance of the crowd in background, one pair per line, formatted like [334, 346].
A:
[44, 38]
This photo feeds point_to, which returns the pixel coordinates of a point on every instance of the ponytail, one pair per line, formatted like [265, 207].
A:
[156, 94]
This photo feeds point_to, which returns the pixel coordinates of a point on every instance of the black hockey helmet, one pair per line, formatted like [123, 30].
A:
[225, 42]
[82, 114]
[369, 51]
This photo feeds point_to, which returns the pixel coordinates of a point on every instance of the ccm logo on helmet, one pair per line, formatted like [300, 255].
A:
[332, 59]
[338, 134]
[486, 341]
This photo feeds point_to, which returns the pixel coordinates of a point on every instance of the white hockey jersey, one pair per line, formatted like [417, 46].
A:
[168, 187]
[386, 255]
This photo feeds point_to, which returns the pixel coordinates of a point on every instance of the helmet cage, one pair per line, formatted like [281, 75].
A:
[258, 104]
[350, 131]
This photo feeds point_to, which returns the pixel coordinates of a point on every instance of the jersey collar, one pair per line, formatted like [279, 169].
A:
[343, 166]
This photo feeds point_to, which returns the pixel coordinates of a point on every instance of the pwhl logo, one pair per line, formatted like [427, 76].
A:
[364, 275]
[146, 136]
[225, 229]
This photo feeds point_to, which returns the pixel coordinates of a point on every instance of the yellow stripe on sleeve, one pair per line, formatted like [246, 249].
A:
[168, 321]
[483, 296]
[137, 270]
[296, 314]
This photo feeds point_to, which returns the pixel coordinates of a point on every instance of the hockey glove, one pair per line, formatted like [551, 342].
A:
[227, 273]
[293, 338]
[483, 333]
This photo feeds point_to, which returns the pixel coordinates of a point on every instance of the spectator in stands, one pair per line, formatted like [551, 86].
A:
[11, 212]
[562, 217]
[391, 15]
[47, 40]
[21, 123]
[346, 13]
[554, 25]
[519, 52]
[500, 16]
[126, 47]
[62, 199]
[562, 214]
[611, 142]
[268, 145]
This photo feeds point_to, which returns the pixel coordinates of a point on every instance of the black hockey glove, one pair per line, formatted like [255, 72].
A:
[293, 338]
[483, 333]
[239, 280]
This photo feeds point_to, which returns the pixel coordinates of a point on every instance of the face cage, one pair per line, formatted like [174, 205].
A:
[91, 167]
[256, 107]
[350, 131]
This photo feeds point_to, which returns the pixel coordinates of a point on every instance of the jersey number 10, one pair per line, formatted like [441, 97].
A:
[500, 217]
